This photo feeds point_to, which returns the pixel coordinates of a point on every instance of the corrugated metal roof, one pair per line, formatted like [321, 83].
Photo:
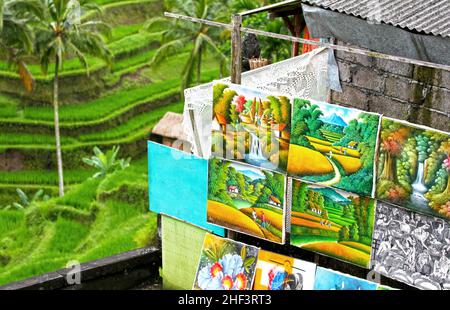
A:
[427, 16]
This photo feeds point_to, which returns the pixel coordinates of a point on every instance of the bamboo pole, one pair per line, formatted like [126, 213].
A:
[348, 49]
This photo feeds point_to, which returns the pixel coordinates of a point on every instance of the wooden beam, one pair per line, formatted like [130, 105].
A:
[348, 49]
[236, 49]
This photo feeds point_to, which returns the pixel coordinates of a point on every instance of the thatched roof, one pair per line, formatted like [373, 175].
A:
[170, 126]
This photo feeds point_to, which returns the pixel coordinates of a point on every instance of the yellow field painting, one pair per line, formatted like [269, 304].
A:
[224, 215]
[275, 219]
[304, 161]
[305, 223]
[350, 164]
[340, 251]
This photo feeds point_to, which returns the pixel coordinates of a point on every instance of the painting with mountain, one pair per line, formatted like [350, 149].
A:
[332, 222]
[333, 146]
[246, 199]
[251, 126]
[414, 168]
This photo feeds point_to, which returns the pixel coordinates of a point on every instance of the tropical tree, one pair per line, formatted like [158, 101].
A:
[16, 34]
[25, 201]
[177, 36]
[106, 162]
[62, 33]
[392, 146]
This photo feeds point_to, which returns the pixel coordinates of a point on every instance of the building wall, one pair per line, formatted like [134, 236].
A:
[403, 91]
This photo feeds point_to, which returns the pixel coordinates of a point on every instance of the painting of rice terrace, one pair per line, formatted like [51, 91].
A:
[414, 168]
[251, 126]
[332, 222]
[246, 199]
[333, 146]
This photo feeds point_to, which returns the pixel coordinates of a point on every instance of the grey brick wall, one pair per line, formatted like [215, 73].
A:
[408, 92]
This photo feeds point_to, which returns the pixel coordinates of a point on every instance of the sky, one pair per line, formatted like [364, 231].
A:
[347, 114]
[244, 168]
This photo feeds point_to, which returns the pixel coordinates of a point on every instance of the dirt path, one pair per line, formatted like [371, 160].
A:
[337, 175]
[269, 235]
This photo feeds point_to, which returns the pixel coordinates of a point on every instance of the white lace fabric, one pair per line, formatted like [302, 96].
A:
[304, 76]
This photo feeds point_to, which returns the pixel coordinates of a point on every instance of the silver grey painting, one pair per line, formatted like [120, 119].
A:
[411, 248]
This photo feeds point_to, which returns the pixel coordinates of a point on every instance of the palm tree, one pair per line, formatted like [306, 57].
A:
[16, 34]
[176, 36]
[61, 33]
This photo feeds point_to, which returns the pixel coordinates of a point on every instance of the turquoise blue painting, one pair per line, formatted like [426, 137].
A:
[178, 185]
[327, 279]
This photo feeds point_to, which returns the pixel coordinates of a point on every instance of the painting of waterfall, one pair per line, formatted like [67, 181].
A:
[251, 126]
[414, 168]
[332, 222]
[246, 199]
[412, 248]
[334, 146]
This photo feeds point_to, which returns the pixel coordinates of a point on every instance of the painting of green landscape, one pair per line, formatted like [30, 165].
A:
[414, 168]
[246, 199]
[251, 126]
[332, 222]
[333, 146]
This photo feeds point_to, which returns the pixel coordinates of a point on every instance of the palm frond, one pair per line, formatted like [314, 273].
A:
[167, 50]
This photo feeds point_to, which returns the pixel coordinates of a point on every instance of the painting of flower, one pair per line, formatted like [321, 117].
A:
[225, 265]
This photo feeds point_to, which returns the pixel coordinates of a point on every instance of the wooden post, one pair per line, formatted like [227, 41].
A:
[297, 33]
[236, 49]
[236, 67]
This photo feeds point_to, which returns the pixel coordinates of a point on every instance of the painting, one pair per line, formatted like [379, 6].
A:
[333, 146]
[251, 126]
[412, 248]
[174, 178]
[332, 222]
[327, 279]
[225, 265]
[278, 272]
[246, 199]
[414, 168]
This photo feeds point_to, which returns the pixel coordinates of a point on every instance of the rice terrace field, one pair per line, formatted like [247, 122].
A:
[332, 222]
[115, 105]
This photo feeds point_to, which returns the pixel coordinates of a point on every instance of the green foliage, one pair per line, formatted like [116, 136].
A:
[422, 147]
[177, 35]
[354, 232]
[272, 49]
[25, 201]
[344, 234]
[106, 162]
[306, 122]
[299, 196]
[77, 226]
[224, 105]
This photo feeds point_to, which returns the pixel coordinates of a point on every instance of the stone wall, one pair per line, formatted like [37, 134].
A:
[417, 94]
